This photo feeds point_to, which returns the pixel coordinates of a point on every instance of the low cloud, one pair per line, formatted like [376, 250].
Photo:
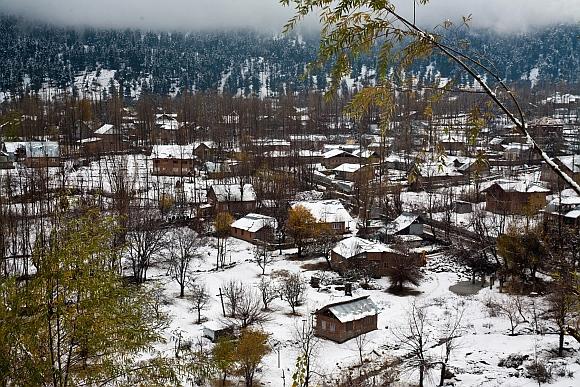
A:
[501, 15]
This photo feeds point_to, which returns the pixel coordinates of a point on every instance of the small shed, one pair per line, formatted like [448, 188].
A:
[214, 330]
[345, 320]
[406, 224]
[463, 207]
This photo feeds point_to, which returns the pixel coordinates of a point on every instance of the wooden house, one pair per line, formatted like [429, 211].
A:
[565, 208]
[173, 160]
[34, 154]
[329, 212]
[111, 139]
[354, 172]
[336, 157]
[570, 165]
[232, 198]
[342, 321]
[406, 224]
[254, 227]
[514, 197]
[356, 253]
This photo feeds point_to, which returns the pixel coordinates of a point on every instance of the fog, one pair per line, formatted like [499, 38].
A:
[500, 15]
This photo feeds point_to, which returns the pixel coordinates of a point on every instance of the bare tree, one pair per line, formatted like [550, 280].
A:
[249, 309]
[232, 291]
[183, 249]
[414, 337]
[293, 290]
[243, 305]
[262, 256]
[199, 296]
[307, 345]
[361, 342]
[269, 291]
[145, 240]
[512, 308]
[451, 330]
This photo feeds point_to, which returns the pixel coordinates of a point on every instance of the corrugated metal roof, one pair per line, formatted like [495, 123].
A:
[354, 310]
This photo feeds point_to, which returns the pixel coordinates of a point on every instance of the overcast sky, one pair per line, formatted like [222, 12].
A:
[502, 15]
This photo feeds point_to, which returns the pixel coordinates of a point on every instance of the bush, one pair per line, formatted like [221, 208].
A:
[513, 361]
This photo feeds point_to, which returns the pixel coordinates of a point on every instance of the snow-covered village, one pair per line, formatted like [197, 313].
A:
[380, 220]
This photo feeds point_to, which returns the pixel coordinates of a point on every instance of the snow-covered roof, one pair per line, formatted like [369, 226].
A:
[173, 151]
[212, 167]
[90, 139]
[336, 152]
[270, 142]
[516, 147]
[354, 309]
[255, 222]
[106, 129]
[574, 214]
[365, 154]
[433, 169]
[309, 153]
[572, 162]
[327, 211]
[353, 246]
[170, 125]
[34, 148]
[234, 193]
[402, 222]
[348, 167]
[518, 186]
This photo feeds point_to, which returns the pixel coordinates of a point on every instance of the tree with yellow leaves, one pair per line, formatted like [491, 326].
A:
[302, 226]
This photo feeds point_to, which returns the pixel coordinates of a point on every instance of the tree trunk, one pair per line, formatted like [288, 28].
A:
[561, 343]
[421, 374]
[181, 290]
[443, 371]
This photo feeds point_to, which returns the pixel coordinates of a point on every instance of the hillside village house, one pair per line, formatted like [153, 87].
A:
[254, 227]
[330, 212]
[336, 157]
[344, 320]
[232, 198]
[166, 128]
[514, 197]
[354, 172]
[173, 160]
[34, 154]
[570, 165]
[358, 253]
[111, 139]
[204, 150]
[565, 207]
[406, 224]
[427, 174]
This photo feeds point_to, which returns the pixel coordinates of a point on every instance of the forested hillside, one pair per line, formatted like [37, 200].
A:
[38, 57]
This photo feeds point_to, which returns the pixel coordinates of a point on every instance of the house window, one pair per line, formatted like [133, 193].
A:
[336, 226]
[323, 324]
[331, 327]
[349, 326]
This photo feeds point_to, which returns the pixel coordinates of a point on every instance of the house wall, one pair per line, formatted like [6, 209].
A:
[173, 167]
[331, 328]
[334, 162]
[499, 201]
[242, 234]
[376, 262]
[42, 162]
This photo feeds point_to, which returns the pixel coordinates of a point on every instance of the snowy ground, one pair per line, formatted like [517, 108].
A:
[475, 363]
